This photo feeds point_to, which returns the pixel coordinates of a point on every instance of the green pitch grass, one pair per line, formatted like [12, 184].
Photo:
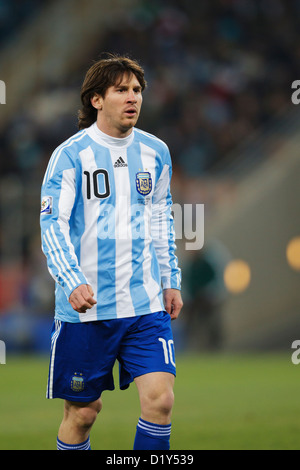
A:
[222, 402]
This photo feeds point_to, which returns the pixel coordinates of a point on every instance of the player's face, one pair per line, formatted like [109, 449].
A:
[119, 110]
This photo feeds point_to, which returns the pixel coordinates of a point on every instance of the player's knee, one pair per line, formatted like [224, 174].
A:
[85, 415]
[165, 402]
[159, 403]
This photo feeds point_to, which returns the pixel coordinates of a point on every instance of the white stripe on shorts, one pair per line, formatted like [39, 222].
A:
[52, 358]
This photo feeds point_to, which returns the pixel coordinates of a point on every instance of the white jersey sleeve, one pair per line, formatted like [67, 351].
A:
[162, 229]
[58, 196]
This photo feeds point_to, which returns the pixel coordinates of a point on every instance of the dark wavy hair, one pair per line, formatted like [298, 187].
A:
[103, 74]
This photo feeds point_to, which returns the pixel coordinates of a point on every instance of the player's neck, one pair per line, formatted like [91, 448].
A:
[113, 132]
[110, 140]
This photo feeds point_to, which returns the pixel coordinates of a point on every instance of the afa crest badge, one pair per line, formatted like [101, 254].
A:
[143, 182]
[77, 382]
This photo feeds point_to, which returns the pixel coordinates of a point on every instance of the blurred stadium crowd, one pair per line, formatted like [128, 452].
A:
[217, 71]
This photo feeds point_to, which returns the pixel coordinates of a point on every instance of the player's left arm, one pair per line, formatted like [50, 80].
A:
[163, 235]
[173, 302]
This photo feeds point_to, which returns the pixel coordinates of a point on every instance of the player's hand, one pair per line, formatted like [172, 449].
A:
[173, 302]
[81, 299]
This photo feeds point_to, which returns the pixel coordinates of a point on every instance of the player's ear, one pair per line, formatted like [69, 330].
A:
[97, 101]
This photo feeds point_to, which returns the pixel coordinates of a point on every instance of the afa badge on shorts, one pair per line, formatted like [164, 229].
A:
[143, 182]
[77, 382]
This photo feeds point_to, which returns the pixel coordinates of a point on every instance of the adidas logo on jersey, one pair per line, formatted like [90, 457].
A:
[120, 162]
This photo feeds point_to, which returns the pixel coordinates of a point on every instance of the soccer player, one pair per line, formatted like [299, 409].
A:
[108, 236]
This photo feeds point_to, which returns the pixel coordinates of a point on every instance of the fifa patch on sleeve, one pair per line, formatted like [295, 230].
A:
[46, 206]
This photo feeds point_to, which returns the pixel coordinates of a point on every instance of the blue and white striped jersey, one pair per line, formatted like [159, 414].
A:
[106, 221]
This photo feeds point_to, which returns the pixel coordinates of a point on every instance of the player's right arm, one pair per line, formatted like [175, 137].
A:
[82, 298]
[58, 197]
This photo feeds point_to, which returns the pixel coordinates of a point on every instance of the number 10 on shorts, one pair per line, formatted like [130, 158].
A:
[168, 351]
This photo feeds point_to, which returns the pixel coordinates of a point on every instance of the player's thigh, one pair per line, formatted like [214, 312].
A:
[154, 383]
[147, 347]
[82, 359]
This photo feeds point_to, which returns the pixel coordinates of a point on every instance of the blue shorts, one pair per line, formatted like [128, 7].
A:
[83, 354]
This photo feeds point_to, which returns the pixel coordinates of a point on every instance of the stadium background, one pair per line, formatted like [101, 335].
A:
[220, 76]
